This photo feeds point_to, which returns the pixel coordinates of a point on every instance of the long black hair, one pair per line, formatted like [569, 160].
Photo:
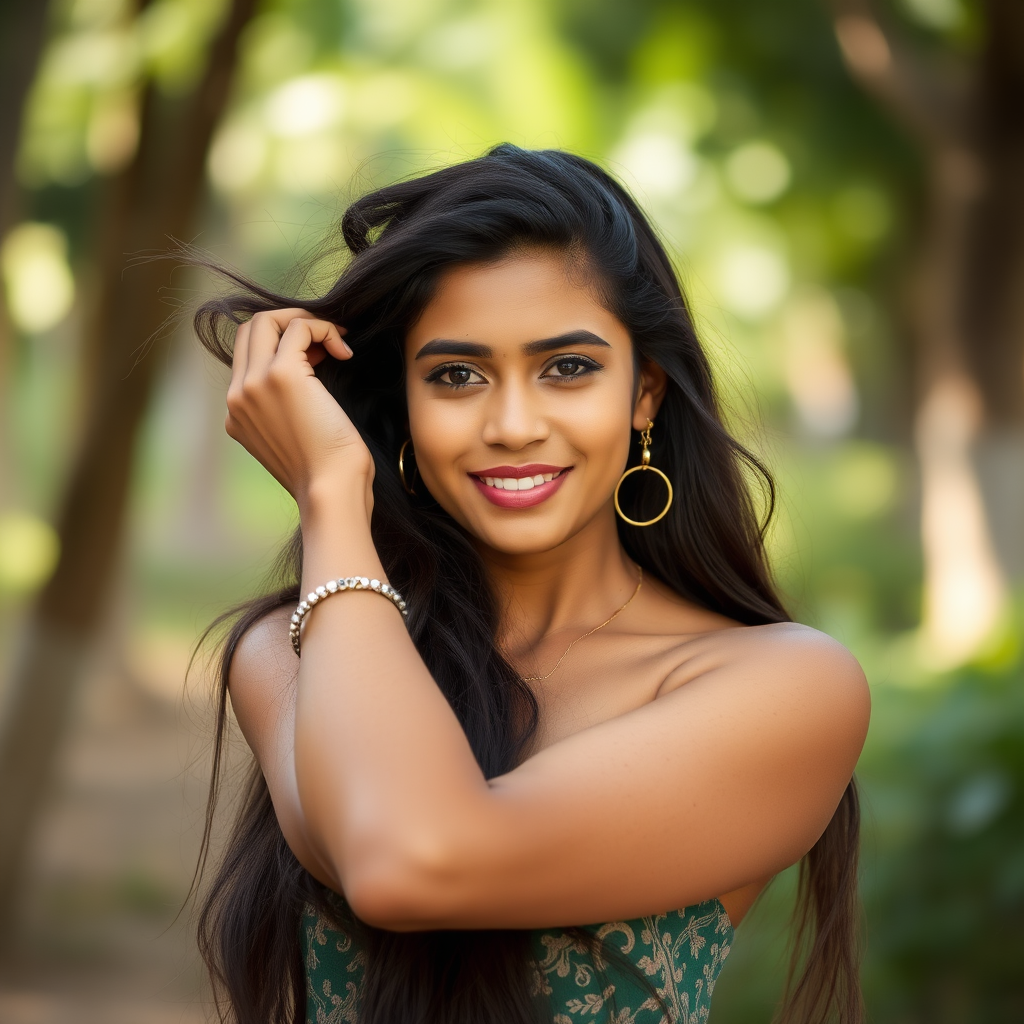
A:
[709, 549]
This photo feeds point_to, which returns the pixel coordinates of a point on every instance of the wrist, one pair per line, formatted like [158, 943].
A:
[330, 500]
[336, 539]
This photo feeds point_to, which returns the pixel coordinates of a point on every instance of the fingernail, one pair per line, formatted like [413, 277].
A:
[348, 348]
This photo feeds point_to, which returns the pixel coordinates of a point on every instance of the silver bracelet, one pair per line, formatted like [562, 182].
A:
[336, 587]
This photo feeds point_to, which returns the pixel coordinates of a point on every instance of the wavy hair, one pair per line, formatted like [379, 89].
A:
[709, 549]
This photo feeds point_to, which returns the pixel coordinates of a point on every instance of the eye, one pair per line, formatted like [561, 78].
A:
[454, 375]
[571, 366]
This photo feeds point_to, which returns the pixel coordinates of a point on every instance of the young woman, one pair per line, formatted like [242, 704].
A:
[550, 730]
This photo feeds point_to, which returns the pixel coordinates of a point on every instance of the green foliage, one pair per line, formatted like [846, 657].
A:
[787, 198]
[944, 879]
[942, 789]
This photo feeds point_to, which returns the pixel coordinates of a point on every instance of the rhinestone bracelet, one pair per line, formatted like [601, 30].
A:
[336, 587]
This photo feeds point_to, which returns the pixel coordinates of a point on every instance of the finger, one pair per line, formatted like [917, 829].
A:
[265, 336]
[312, 339]
[269, 328]
[240, 352]
[316, 354]
[239, 355]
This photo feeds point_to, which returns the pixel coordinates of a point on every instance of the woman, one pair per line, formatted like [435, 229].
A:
[570, 693]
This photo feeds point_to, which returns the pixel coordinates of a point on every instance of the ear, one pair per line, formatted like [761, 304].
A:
[650, 391]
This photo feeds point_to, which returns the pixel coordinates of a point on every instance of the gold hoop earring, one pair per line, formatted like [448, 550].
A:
[401, 465]
[645, 464]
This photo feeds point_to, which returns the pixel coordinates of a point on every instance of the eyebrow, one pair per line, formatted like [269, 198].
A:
[446, 347]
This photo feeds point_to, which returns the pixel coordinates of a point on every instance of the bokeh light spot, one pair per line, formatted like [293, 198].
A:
[39, 283]
[113, 132]
[659, 163]
[237, 156]
[459, 45]
[752, 280]
[305, 105]
[758, 172]
[939, 14]
[816, 368]
[28, 552]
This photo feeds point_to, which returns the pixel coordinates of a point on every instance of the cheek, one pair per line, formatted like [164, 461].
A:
[437, 439]
[601, 432]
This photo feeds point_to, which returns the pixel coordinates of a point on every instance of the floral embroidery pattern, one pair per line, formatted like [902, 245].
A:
[323, 1004]
[679, 953]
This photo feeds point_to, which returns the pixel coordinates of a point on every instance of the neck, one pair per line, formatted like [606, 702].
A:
[567, 588]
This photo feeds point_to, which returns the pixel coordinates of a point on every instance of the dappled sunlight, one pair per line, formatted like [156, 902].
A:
[792, 178]
[658, 162]
[39, 283]
[29, 548]
[817, 371]
[964, 589]
[758, 172]
[752, 279]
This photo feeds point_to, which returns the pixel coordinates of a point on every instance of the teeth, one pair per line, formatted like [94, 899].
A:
[526, 483]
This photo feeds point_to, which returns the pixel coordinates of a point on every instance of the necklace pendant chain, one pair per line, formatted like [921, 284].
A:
[591, 632]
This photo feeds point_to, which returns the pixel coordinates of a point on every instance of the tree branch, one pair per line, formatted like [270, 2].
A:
[932, 105]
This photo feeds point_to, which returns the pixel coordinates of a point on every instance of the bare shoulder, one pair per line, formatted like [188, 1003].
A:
[804, 655]
[792, 675]
[789, 643]
[263, 671]
[788, 650]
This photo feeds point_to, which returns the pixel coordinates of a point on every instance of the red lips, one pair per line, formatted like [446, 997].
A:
[515, 499]
[533, 469]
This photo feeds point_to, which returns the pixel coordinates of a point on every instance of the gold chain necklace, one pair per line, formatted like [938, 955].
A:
[639, 583]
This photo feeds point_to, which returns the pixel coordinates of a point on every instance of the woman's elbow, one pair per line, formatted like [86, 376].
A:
[401, 890]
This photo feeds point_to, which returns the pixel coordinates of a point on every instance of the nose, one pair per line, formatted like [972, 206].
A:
[514, 417]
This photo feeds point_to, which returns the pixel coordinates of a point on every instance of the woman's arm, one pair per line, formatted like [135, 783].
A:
[261, 684]
[728, 778]
[721, 781]
[597, 851]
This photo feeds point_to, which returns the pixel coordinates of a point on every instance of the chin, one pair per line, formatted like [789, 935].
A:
[520, 539]
[523, 532]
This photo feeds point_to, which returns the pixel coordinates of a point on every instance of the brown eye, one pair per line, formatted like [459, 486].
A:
[454, 375]
[571, 366]
[568, 367]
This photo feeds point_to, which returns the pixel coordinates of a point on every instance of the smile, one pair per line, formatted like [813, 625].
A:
[523, 483]
[520, 486]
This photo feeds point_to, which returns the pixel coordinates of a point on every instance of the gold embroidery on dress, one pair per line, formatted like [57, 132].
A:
[680, 952]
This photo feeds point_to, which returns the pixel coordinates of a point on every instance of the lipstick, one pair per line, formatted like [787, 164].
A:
[520, 486]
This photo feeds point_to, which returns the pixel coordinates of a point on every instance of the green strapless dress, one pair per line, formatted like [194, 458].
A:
[680, 953]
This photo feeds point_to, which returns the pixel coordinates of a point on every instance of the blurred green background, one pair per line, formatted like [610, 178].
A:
[840, 185]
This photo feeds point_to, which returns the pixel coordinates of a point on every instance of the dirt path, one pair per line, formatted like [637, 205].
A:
[114, 859]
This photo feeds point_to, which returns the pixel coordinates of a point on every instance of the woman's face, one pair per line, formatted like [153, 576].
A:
[522, 391]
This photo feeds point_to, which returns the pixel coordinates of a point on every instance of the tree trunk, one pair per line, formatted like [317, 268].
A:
[22, 30]
[993, 308]
[966, 311]
[964, 584]
[155, 198]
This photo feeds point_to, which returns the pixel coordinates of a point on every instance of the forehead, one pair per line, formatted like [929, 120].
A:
[515, 300]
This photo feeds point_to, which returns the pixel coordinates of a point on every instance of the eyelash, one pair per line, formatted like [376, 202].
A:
[588, 366]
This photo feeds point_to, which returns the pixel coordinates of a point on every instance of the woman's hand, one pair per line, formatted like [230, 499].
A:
[281, 413]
